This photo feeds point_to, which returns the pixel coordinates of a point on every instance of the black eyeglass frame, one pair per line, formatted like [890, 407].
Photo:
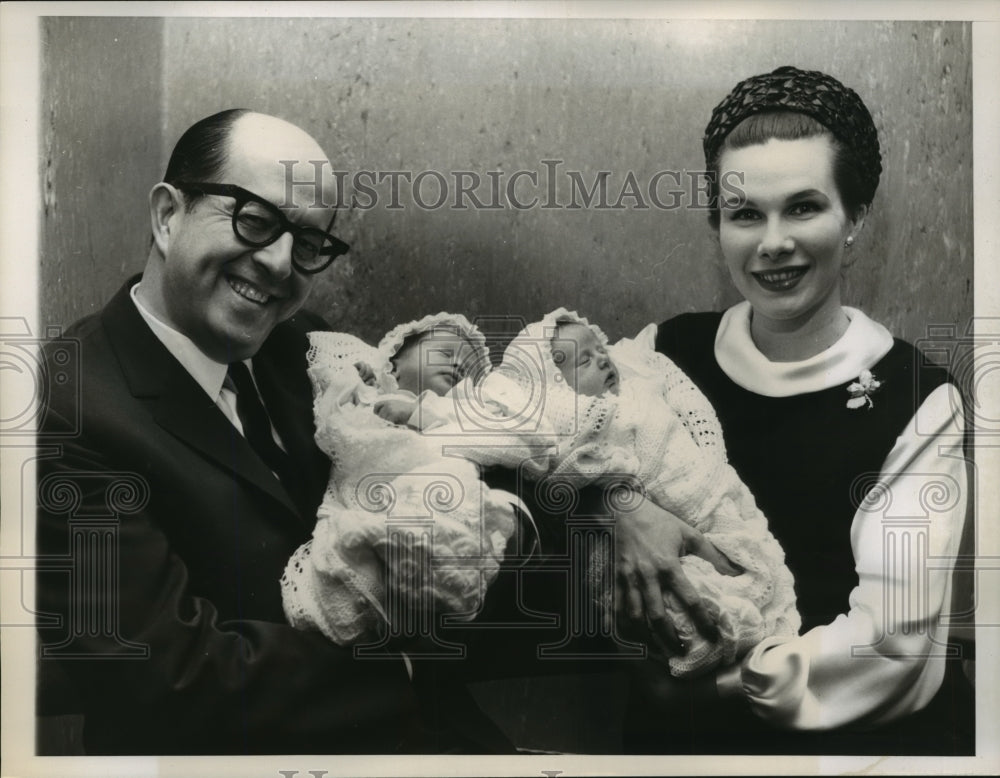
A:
[242, 196]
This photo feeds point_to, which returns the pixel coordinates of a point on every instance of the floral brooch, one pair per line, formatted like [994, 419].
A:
[862, 390]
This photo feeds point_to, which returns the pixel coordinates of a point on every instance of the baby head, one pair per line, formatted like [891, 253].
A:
[435, 353]
[583, 360]
[563, 351]
[436, 360]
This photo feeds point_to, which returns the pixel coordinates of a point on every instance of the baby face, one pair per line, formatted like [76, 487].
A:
[583, 361]
[434, 360]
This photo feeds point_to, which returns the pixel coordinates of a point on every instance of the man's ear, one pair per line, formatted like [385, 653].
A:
[165, 205]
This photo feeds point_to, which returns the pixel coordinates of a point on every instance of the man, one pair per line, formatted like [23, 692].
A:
[177, 497]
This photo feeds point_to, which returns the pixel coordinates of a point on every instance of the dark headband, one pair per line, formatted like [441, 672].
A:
[815, 94]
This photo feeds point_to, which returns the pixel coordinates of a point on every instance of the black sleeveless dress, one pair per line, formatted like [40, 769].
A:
[809, 463]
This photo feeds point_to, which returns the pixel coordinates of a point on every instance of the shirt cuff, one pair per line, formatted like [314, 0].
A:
[729, 681]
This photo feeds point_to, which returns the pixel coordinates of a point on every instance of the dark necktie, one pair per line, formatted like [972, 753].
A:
[257, 424]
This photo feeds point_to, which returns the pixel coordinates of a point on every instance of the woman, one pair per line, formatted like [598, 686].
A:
[851, 446]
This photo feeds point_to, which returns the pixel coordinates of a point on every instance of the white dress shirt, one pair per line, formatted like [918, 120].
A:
[207, 373]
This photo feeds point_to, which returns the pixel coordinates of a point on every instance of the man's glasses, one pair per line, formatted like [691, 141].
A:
[259, 223]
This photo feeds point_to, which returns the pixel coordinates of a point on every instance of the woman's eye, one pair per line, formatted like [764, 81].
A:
[585, 361]
[744, 215]
[803, 209]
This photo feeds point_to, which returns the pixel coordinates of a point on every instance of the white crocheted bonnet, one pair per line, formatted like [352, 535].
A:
[529, 361]
[478, 364]
[528, 357]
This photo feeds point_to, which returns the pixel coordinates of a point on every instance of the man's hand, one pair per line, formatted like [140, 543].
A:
[366, 372]
[650, 542]
[396, 409]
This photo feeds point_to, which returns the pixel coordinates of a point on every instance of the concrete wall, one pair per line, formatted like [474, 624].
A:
[504, 95]
[101, 125]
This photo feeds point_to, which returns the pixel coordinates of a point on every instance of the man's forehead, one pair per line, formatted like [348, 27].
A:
[279, 162]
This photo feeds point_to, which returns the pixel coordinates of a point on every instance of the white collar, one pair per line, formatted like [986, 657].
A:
[208, 373]
[861, 346]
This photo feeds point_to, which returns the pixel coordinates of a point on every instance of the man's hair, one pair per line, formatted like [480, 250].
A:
[203, 150]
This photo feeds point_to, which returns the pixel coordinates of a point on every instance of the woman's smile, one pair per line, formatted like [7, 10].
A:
[780, 280]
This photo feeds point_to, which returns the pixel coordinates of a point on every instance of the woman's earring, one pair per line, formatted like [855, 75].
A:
[850, 241]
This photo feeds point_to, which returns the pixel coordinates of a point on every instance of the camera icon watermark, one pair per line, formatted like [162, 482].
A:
[34, 368]
[37, 370]
[972, 357]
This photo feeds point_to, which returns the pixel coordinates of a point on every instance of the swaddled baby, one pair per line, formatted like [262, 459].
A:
[402, 527]
[626, 410]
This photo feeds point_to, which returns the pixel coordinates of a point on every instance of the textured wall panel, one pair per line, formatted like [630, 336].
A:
[503, 96]
[100, 154]
[618, 96]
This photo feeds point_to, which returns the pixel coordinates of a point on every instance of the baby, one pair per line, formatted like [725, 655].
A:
[400, 523]
[626, 410]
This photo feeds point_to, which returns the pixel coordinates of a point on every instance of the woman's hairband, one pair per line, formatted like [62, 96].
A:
[815, 94]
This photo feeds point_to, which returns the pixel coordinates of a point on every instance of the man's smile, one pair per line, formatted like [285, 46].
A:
[248, 291]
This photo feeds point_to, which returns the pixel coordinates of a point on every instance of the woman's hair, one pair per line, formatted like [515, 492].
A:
[791, 125]
[203, 150]
[788, 104]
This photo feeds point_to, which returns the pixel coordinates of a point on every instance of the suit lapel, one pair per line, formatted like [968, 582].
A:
[186, 411]
[280, 370]
[181, 405]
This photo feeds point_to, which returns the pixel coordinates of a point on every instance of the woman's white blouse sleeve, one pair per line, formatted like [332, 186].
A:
[884, 658]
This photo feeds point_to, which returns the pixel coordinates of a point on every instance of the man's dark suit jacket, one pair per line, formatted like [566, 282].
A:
[164, 537]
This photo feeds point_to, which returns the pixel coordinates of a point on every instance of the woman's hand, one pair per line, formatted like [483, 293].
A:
[650, 542]
[395, 410]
